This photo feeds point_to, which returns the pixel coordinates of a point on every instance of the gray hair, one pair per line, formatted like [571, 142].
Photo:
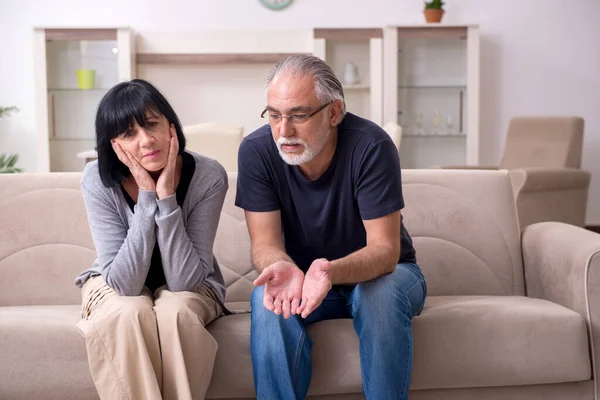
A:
[327, 85]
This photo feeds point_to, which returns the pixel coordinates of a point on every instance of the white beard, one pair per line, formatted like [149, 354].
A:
[295, 159]
[310, 152]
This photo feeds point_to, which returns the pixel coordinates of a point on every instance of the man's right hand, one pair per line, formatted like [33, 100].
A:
[283, 287]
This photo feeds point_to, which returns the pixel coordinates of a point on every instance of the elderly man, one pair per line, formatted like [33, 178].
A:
[322, 193]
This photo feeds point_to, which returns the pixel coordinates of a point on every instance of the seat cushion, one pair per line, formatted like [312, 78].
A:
[42, 355]
[471, 341]
[477, 341]
[459, 342]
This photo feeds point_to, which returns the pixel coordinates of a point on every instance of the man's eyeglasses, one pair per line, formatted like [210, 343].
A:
[299, 118]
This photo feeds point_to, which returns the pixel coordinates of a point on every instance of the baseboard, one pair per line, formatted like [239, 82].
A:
[593, 228]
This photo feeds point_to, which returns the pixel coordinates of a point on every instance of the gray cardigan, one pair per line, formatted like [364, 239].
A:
[125, 241]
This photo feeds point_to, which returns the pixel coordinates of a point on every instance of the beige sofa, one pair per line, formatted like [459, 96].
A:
[507, 317]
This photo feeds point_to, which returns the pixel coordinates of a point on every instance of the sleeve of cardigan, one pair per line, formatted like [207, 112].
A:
[187, 251]
[123, 254]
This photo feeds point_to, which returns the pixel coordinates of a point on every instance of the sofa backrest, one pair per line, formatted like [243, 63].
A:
[232, 248]
[463, 225]
[465, 231]
[45, 240]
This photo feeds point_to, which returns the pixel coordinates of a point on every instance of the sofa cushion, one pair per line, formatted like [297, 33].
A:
[476, 341]
[42, 354]
[459, 342]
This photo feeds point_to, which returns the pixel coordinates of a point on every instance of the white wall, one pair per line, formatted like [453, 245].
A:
[538, 57]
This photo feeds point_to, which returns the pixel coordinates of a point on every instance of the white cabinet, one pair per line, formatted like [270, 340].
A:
[74, 68]
[431, 89]
[356, 57]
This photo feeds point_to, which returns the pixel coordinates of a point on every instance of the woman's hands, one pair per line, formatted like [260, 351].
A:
[166, 183]
[165, 186]
[142, 178]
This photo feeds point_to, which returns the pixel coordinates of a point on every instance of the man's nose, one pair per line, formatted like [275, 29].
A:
[286, 128]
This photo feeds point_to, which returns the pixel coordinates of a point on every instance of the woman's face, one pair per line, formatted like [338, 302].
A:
[149, 145]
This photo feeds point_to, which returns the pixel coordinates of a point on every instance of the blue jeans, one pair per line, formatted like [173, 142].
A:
[382, 310]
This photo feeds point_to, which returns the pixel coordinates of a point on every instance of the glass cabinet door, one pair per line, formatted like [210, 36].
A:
[79, 67]
[431, 96]
[80, 72]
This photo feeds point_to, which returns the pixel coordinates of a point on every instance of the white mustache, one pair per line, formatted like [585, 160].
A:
[283, 141]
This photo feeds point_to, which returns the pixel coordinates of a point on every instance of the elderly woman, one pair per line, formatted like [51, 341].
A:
[153, 210]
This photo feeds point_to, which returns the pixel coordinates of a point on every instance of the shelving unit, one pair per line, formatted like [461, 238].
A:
[216, 76]
[431, 89]
[423, 77]
[65, 113]
[360, 49]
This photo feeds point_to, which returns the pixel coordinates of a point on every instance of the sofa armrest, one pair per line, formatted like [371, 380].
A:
[487, 167]
[535, 179]
[546, 194]
[562, 265]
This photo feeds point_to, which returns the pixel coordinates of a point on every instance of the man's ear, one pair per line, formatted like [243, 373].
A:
[334, 112]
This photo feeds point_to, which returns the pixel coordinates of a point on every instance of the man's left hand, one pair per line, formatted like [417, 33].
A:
[317, 284]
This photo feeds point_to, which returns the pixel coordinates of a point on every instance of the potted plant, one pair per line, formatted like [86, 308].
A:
[434, 11]
[8, 162]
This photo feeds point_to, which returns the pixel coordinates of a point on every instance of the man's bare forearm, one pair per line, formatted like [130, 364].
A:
[263, 256]
[368, 263]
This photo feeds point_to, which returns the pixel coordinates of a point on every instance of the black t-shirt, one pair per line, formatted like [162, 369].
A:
[324, 218]
[156, 274]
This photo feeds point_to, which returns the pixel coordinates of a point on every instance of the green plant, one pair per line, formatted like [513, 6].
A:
[7, 110]
[8, 162]
[434, 5]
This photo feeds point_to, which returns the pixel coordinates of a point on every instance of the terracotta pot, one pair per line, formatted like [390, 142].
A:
[432, 15]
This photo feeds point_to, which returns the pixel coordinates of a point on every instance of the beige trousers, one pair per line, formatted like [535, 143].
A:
[141, 347]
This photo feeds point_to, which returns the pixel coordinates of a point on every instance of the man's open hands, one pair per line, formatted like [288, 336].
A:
[283, 287]
[286, 285]
[317, 283]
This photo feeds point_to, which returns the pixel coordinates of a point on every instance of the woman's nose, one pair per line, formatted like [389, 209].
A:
[145, 137]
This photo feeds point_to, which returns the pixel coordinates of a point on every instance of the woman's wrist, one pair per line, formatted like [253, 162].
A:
[164, 193]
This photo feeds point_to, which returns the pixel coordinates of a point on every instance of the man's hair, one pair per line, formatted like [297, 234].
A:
[327, 85]
[124, 105]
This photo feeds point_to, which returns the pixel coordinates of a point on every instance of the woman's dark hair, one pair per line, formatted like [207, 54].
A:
[125, 104]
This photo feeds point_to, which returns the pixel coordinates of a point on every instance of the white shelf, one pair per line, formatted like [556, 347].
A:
[71, 139]
[431, 136]
[357, 87]
[433, 87]
[58, 90]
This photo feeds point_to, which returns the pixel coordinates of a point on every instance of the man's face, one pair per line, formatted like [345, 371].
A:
[299, 138]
